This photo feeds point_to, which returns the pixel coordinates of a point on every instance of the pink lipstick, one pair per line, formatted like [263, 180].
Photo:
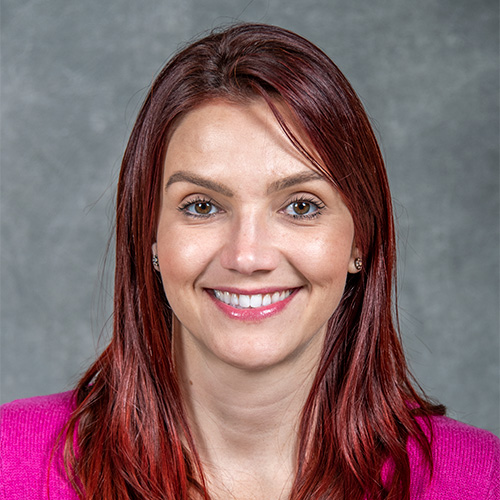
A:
[251, 306]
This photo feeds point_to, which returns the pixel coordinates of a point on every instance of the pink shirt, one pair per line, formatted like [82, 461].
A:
[466, 459]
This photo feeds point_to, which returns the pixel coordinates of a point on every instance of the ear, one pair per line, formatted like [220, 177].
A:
[156, 263]
[355, 262]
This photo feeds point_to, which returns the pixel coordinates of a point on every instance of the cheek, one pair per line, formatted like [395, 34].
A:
[324, 257]
[183, 256]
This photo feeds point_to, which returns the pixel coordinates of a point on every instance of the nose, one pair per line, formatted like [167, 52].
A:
[250, 246]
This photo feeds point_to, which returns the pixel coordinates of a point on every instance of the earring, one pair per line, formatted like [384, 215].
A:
[358, 264]
[156, 262]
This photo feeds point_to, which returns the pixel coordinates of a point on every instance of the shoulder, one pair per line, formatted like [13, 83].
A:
[54, 405]
[466, 462]
[29, 430]
[455, 443]
[33, 424]
[463, 437]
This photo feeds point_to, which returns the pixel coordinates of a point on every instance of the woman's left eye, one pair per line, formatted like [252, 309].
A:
[303, 209]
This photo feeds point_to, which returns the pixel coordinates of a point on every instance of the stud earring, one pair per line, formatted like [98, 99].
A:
[358, 264]
[156, 262]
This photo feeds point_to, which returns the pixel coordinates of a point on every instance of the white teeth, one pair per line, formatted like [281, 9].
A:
[244, 301]
[256, 300]
[251, 301]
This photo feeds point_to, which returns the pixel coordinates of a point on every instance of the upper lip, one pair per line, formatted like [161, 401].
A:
[262, 291]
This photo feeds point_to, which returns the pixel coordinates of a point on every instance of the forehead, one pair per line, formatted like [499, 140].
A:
[240, 137]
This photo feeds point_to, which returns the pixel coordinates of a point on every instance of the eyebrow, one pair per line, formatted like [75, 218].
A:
[199, 181]
[293, 180]
[275, 186]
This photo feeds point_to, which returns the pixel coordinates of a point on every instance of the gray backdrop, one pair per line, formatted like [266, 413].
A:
[73, 74]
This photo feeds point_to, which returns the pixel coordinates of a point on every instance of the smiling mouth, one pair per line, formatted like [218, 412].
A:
[242, 301]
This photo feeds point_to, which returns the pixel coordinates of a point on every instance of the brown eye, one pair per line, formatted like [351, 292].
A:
[301, 207]
[304, 209]
[203, 208]
[199, 208]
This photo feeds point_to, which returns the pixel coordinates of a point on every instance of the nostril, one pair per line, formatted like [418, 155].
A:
[249, 258]
[250, 245]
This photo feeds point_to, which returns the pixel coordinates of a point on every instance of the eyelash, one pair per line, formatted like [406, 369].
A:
[299, 199]
[184, 208]
[306, 199]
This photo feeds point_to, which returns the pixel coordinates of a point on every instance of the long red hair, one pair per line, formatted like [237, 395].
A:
[133, 436]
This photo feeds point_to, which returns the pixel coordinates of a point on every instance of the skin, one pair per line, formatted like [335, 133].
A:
[242, 210]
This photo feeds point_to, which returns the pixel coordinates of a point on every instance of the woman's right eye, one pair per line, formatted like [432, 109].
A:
[199, 208]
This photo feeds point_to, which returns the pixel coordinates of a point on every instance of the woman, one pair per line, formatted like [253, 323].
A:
[254, 353]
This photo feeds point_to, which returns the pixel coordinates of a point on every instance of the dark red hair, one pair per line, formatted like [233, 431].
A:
[133, 437]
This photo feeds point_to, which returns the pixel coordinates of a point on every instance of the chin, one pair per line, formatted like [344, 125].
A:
[254, 355]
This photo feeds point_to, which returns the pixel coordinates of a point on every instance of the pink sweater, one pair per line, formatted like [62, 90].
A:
[466, 459]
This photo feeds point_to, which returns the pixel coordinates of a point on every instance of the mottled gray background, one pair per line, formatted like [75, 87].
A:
[73, 74]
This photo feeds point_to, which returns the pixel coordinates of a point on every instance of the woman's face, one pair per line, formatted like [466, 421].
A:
[254, 246]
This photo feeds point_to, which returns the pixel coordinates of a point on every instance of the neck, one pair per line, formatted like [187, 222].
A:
[242, 407]
[245, 422]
